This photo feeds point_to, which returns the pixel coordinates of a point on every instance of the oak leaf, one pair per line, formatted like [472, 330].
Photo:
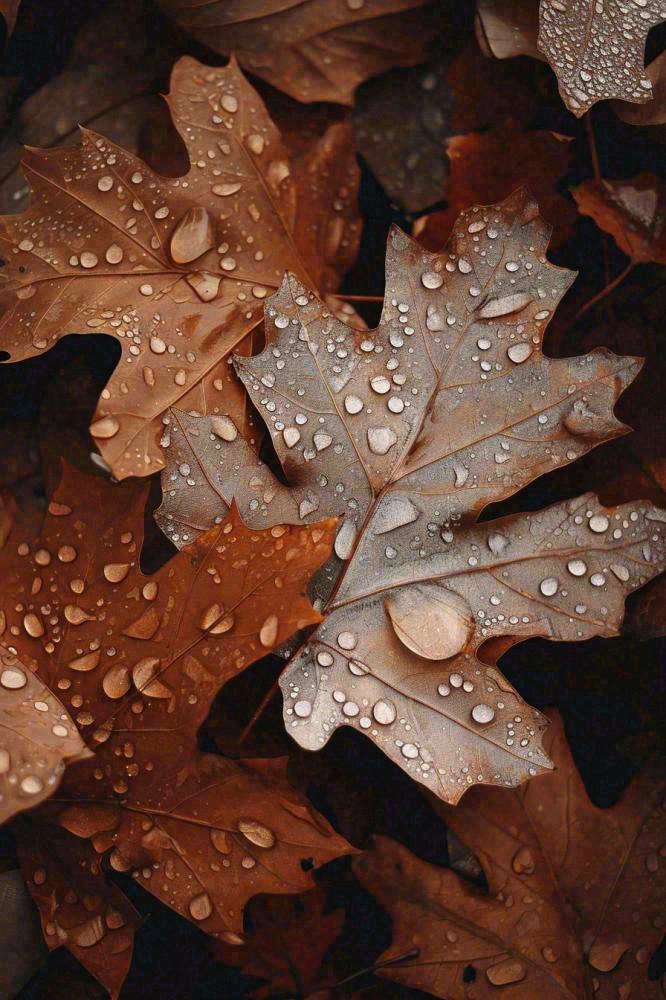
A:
[574, 907]
[632, 211]
[315, 50]
[596, 50]
[175, 269]
[411, 430]
[137, 661]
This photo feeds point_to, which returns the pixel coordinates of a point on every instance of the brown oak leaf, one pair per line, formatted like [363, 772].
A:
[289, 940]
[175, 269]
[574, 907]
[314, 50]
[632, 211]
[410, 430]
[137, 661]
[596, 50]
[492, 165]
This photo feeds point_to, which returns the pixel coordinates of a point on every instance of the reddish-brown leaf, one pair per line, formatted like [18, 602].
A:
[137, 660]
[315, 50]
[176, 269]
[410, 430]
[632, 211]
[574, 907]
[491, 165]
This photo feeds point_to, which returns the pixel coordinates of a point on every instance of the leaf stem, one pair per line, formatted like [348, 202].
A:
[412, 953]
[606, 290]
[358, 298]
[259, 711]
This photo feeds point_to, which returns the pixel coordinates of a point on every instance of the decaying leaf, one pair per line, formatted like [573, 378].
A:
[38, 737]
[175, 269]
[315, 50]
[632, 211]
[137, 661]
[492, 165]
[574, 907]
[289, 940]
[595, 49]
[410, 430]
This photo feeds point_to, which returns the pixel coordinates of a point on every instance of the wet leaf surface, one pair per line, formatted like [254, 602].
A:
[175, 269]
[317, 50]
[137, 660]
[573, 906]
[410, 431]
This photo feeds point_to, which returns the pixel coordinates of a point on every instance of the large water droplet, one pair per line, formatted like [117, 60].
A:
[432, 621]
[193, 236]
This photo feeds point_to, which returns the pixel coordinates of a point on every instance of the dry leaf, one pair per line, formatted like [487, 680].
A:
[410, 430]
[492, 165]
[596, 50]
[632, 211]
[176, 269]
[654, 112]
[137, 661]
[574, 907]
[315, 50]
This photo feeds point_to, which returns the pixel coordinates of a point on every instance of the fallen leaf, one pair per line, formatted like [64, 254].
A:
[596, 50]
[410, 430]
[9, 10]
[137, 661]
[575, 893]
[38, 738]
[493, 165]
[315, 50]
[175, 269]
[632, 211]
[288, 942]
[654, 111]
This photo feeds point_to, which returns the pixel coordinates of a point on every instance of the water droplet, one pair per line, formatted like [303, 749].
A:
[347, 640]
[353, 404]
[409, 750]
[605, 954]
[116, 572]
[291, 436]
[257, 833]
[116, 682]
[215, 614]
[33, 625]
[114, 254]
[201, 907]
[322, 440]
[431, 279]
[303, 709]
[497, 543]
[509, 971]
[224, 428]
[519, 352]
[268, 632]
[577, 567]
[105, 427]
[88, 259]
[548, 587]
[380, 384]
[523, 861]
[598, 523]
[86, 662]
[597, 579]
[344, 540]
[381, 439]
[13, 678]
[620, 571]
[430, 620]
[32, 785]
[483, 714]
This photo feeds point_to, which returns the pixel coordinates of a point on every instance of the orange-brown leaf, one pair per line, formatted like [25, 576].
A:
[315, 50]
[137, 660]
[489, 166]
[575, 893]
[175, 269]
[632, 211]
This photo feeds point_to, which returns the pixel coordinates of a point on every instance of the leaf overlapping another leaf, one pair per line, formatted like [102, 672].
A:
[137, 661]
[410, 430]
[175, 269]
[574, 907]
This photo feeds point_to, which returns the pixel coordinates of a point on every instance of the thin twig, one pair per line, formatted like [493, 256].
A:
[259, 711]
[358, 298]
[412, 953]
[606, 290]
